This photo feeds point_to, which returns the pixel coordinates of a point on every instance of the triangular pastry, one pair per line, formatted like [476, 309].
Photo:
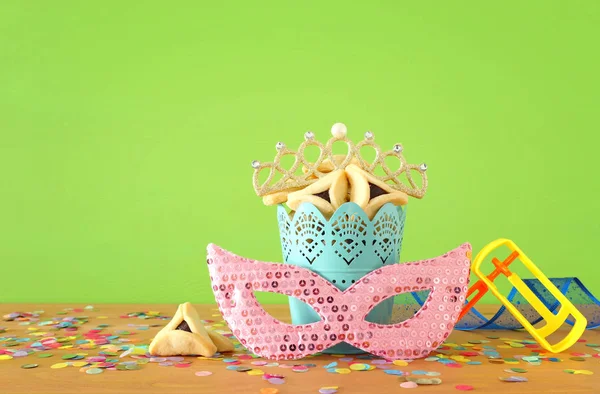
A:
[278, 197]
[327, 194]
[183, 335]
[222, 343]
[396, 198]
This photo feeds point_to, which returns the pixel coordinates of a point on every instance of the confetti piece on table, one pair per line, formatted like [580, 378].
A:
[343, 371]
[94, 371]
[29, 366]
[269, 390]
[409, 385]
[323, 390]
[424, 381]
[517, 370]
[513, 379]
[582, 372]
[203, 373]
[464, 387]
[393, 372]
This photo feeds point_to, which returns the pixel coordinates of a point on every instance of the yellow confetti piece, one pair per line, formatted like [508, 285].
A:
[66, 347]
[79, 363]
[255, 372]
[582, 372]
[5, 357]
[467, 345]
[358, 367]
[400, 363]
[330, 388]
[59, 365]
[511, 362]
[32, 328]
[343, 371]
[102, 317]
[503, 347]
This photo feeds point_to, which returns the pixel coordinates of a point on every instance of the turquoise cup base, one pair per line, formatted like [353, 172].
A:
[342, 250]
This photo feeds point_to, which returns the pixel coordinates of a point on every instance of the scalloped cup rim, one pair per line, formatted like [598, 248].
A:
[343, 209]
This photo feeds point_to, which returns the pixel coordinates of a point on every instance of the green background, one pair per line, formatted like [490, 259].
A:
[128, 128]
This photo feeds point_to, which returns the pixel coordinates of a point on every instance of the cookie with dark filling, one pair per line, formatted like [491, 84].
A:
[186, 335]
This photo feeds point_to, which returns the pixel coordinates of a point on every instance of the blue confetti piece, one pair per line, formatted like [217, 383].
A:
[474, 362]
[393, 372]
[331, 365]
[229, 360]
[419, 372]
[232, 367]
[331, 370]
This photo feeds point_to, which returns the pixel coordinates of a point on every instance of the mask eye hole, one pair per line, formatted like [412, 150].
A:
[276, 306]
[399, 308]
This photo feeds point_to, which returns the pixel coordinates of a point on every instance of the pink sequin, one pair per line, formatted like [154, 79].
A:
[234, 280]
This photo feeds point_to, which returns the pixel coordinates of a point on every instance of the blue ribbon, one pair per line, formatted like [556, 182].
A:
[572, 288]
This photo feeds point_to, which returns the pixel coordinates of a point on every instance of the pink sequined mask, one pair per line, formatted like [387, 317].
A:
[235, 279]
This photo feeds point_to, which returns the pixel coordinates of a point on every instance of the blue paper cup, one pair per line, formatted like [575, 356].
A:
[342, 250]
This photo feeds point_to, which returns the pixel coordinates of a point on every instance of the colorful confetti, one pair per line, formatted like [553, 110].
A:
[80, 342]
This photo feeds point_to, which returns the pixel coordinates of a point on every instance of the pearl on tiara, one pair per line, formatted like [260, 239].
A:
[339, 130]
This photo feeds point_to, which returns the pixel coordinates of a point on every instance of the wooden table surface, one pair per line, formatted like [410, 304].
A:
[152, 378]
